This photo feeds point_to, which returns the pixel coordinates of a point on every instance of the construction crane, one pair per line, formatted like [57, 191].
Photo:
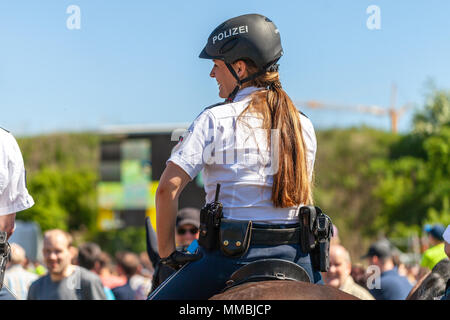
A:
[392, 111]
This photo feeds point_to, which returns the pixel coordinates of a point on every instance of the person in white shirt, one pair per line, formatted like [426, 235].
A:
[258, 147]
[14, 196]
[446, 237]
[17, 278]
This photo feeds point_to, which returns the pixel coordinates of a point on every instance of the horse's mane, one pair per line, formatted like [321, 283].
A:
[434, 283]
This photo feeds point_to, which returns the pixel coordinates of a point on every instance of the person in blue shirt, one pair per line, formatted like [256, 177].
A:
[392, 286]
[128, 264]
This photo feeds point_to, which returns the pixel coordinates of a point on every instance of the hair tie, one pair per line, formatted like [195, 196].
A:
[275, 85]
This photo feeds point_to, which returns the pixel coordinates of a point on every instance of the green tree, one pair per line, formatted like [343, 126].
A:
[436, 114]
[414, 187]
[63, 199]
[61, 177]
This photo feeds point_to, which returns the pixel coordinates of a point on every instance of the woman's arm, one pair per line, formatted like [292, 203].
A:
[172, 182]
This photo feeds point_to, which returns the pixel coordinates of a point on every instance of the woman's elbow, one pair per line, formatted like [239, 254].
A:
[165, 192]
[161, 191]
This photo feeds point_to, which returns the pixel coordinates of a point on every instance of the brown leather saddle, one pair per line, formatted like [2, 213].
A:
[268, 269]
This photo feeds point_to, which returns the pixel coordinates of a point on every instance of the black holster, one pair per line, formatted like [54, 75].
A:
[316, 231]
[5, 251]
[307, 218]
[210, 216]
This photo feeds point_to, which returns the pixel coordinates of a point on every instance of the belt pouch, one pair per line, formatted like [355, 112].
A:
[235, 237]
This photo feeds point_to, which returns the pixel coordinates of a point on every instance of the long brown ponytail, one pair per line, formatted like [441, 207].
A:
[291, 184]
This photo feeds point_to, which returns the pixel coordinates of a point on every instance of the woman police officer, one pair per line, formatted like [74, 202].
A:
[257, 146]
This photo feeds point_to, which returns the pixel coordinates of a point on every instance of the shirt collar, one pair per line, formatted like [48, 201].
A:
[348, 282]
[244, 93]
[392, 271]
[15, 267]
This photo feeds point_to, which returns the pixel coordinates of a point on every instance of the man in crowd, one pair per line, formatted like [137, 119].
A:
[446, 237]
[107, 272]
[17, 279]
[89, 255]
[128, 264]
[187, 230]
[339, 277]
[64, 280]
[187, 224]
[436, 252]
[392, 285]
[14, 195]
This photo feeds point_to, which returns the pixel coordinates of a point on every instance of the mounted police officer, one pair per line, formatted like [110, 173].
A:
[14, 196]
[257, 149]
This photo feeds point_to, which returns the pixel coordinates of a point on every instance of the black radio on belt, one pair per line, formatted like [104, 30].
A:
[210, 216]
[4, 255]
[316, 230]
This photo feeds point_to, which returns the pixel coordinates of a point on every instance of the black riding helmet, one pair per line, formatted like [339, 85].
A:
[250, 36]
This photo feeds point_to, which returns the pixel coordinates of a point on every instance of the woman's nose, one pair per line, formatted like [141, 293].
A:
[211, 74]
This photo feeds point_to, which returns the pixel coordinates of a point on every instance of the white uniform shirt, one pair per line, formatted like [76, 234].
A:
[14, 195]
[238, 157]
[446, 234]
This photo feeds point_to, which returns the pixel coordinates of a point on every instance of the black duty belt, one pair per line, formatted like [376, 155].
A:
[274, 236]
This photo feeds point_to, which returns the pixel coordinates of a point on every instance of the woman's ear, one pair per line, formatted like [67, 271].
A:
[241, 69]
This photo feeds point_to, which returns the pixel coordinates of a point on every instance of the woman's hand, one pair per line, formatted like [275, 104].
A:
[178, 259]
[7, 223]
[172, 182]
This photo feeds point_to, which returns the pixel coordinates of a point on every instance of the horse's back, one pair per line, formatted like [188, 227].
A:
[282, 290]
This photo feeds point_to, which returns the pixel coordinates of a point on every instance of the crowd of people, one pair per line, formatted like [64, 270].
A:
[83, 273]
[88, 273]
[387, 277]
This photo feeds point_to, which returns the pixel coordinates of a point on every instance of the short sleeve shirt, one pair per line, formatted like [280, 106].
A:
[82, 284]
[446, 235]
[14, 195]
[237, 155]
[393, 286]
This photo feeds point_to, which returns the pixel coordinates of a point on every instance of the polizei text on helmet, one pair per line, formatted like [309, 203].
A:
[230, 32]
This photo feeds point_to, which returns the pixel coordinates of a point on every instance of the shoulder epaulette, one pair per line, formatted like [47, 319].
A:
[215, 105]
[303, 114]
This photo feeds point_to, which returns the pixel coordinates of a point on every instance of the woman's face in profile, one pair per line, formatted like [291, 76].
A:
[224, 78]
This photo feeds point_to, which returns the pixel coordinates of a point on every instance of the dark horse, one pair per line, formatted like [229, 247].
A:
[260, 290]
[432, 285]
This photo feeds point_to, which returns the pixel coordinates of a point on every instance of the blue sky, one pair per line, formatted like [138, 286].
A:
[136, 62]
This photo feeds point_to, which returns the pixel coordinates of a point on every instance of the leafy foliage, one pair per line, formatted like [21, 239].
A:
[61, 172]
[127, 239]
[436, 114]
[414, 184]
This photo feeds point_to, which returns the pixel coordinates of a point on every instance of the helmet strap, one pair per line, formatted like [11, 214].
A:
[232, 95]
